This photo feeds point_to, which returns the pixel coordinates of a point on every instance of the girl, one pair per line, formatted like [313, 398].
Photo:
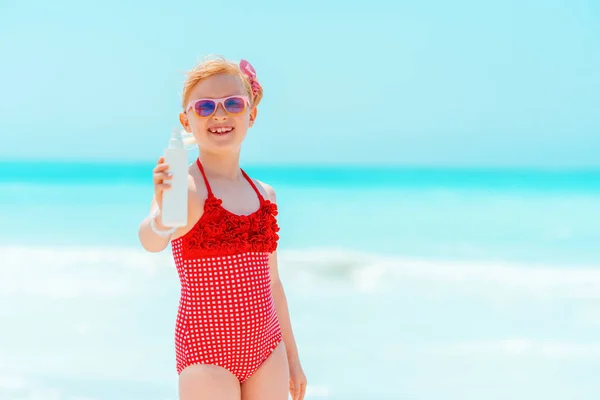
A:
[233, 336]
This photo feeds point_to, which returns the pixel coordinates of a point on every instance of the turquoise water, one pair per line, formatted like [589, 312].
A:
[402, 283]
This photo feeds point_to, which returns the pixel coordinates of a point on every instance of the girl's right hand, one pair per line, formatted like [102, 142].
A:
[160, 175]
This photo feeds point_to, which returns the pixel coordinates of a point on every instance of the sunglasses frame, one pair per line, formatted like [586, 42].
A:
[221, 101]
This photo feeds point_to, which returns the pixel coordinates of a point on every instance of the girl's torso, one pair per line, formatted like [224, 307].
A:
[226, 312]
[246, 222]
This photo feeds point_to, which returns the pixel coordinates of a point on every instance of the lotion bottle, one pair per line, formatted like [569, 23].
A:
[175, 199]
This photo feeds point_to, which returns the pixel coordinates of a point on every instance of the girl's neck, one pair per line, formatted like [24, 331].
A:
[223, 165]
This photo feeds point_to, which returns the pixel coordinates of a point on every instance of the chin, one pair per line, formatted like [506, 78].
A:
[223, 143]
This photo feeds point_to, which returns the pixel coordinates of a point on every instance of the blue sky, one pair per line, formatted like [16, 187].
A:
[505, 83]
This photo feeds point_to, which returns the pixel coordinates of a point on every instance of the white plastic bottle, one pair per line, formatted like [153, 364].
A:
[175, 199]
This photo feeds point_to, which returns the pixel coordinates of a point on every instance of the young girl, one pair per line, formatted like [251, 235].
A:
[233, 336]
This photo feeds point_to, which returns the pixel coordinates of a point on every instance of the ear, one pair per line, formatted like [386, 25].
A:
[185, 122]
[253, 115]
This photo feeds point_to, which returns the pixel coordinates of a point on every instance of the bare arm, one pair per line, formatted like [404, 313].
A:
[148, 238]
[280, 298]
[298, 380]
[281, 305]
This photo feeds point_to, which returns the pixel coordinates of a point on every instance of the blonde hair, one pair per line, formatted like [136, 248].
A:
[209, 67]
[219, 65]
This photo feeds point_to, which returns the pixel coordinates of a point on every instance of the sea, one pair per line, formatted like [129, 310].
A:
[403, 282]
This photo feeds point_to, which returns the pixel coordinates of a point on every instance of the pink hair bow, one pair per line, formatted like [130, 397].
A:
[249, 71]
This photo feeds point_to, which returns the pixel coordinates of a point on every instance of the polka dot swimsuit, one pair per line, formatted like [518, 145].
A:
[226, 314]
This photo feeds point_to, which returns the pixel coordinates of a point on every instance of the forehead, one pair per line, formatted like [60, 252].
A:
[217, 86]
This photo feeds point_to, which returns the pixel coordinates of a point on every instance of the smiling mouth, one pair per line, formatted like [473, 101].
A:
[222, 130]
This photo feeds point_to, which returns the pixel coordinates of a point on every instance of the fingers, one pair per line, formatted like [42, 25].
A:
[297, 390]
[159, 181]
[160, 177]
[161, 167]
[302, 391]
[160, 174]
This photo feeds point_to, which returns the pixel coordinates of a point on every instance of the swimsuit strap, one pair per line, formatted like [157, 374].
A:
[260, 196]
[210, 193]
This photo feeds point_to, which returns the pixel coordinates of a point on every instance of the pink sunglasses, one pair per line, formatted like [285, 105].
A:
[206, 107]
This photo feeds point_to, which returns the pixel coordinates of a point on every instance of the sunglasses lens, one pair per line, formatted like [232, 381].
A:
[204, 108]
[235, 105]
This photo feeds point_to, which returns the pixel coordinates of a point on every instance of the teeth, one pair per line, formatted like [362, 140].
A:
[220, 130]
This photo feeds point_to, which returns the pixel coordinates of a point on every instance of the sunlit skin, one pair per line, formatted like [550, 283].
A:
[219, 153]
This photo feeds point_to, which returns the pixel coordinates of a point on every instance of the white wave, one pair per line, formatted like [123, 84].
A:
[369, 272]
[518, 347]
[316, 391]
[108, 271]
[68, 272]
[15, 387]
[12, 382]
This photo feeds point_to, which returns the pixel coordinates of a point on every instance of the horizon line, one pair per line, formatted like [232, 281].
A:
[321, 165]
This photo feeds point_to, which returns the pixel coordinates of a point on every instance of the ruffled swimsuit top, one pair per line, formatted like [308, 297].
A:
[220, 232]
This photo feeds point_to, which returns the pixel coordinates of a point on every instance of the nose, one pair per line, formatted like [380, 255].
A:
[220, 114]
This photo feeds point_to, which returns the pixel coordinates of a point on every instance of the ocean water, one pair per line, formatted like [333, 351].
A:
[402, 283]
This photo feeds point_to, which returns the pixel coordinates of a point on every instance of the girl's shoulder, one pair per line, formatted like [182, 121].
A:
[266, 190]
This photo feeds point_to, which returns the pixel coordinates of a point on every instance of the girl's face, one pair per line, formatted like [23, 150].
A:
[219, 125]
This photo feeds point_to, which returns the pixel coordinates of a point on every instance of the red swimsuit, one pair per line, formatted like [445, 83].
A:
[226, 313]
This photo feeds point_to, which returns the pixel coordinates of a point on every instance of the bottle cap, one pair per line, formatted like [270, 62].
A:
[176, 141]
